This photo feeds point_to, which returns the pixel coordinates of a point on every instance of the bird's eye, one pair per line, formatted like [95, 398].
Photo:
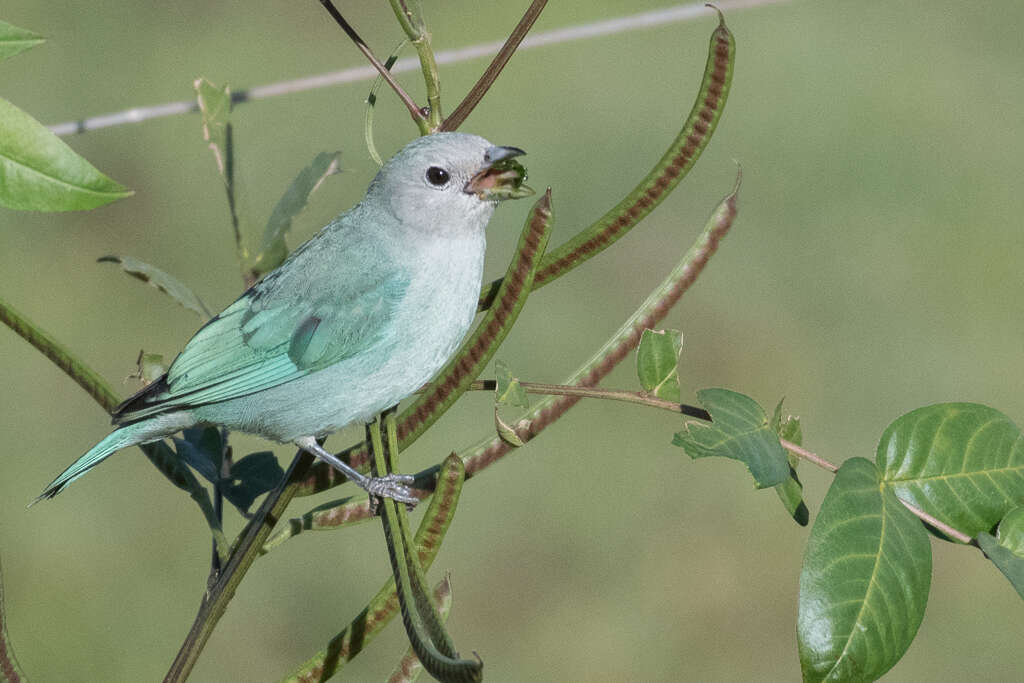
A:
[437, 176]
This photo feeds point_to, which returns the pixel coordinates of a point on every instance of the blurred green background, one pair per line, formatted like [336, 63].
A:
[875, 268]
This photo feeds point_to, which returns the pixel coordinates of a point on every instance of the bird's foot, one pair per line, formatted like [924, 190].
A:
[391, 486]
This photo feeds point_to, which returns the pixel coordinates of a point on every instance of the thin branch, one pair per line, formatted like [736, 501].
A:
[488, 77]
[568, 34]
[413, 108]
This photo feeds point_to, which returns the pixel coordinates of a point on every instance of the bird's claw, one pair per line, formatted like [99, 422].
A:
[393, 486]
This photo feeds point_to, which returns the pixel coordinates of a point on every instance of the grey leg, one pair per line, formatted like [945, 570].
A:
[390, 486]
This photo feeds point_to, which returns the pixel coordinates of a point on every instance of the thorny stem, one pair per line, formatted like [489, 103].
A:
[414, 110]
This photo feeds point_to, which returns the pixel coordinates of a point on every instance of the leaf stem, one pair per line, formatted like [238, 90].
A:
[940, 525]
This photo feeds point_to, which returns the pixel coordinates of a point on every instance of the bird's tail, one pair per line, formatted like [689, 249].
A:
[129, 435]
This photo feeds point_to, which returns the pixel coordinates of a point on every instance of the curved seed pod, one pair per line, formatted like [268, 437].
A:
[673, 166]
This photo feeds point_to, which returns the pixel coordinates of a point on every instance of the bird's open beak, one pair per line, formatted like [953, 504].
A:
[501, 177]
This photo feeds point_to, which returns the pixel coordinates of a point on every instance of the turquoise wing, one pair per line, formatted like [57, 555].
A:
[276, 332]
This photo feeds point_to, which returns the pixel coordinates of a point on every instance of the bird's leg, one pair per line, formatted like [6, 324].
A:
[388, 486]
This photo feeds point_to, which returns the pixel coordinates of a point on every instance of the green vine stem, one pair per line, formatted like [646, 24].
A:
[673, 166]
[384, 605]
[82, 374]
[472, 356]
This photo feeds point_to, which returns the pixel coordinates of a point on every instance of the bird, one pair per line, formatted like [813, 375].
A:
[354, 320]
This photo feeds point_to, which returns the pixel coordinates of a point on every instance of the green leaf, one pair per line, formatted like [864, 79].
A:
[508, 390]
[865, 580]
[251, 477]
[168, 284]
[657, 363]
[505, 431]
[38, 172]
[791, 491]
[14, 40]
[215, 107]
[1006, 560]
[1006, 549]
[151, 366]
[740, 430]
[273, 249]
[962, 463]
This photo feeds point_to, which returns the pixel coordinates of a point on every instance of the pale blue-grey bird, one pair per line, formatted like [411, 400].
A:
[355, 320]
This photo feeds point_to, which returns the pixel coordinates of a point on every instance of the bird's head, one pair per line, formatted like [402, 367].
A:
[449, 182]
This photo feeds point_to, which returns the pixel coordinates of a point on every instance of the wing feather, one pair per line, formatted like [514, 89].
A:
[275, 333]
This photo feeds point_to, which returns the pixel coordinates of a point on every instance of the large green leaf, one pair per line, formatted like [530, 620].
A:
[657, 363]
[38, 172]
[168, 284]
[962, 463]
[14, 40]
[865, 580]
[740, 430]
